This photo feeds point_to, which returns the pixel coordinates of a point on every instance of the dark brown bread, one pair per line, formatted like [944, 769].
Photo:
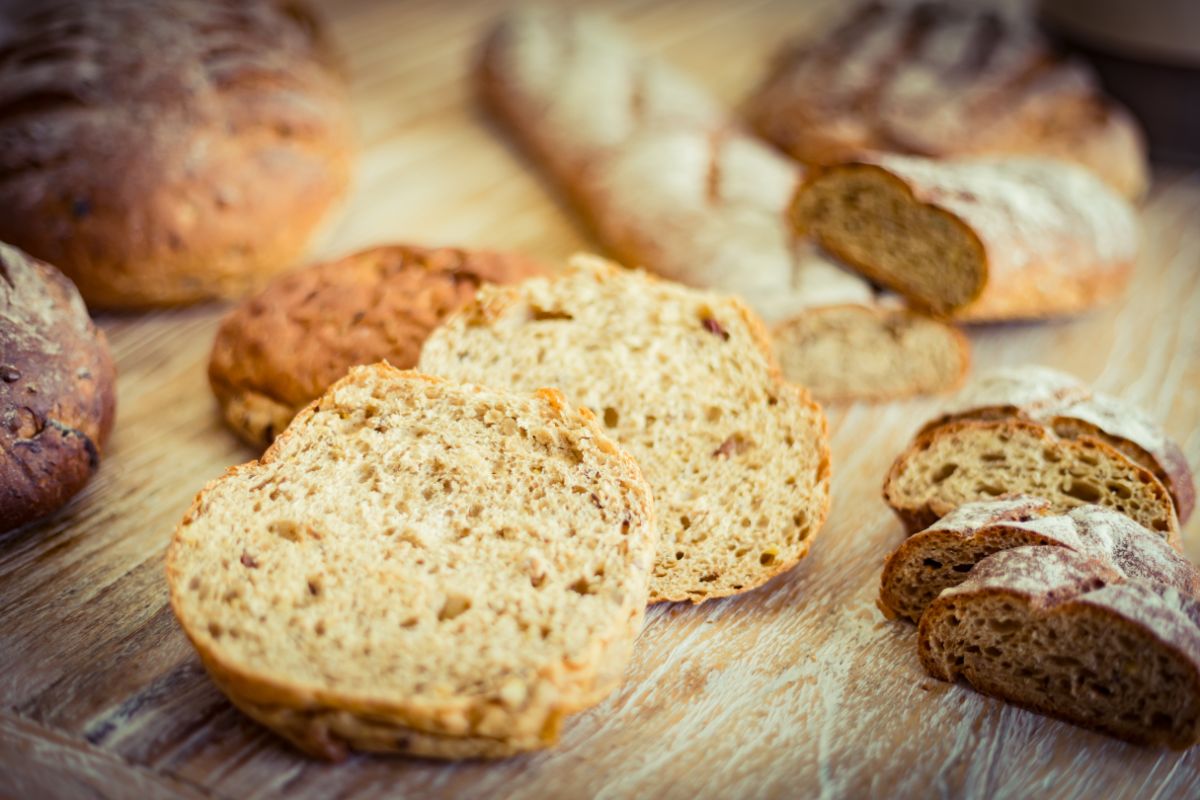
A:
[943, 79]
[167, 151]
[1067, 635]
[57, 394]
[281, 349]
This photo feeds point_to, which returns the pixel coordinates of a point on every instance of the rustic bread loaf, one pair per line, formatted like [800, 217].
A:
[686, 382]
[194, 179]
[1072, 409]
[971, 460]
[667, 182]
[944, 554]
[1064, 634]
[943, 79]
[57, 390]
[278, 351]
[421, 567]
[979, 239]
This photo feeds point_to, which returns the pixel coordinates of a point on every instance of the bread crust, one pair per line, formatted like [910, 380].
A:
[896, 77]
[146, 200]
[57, 390]
[277, 351]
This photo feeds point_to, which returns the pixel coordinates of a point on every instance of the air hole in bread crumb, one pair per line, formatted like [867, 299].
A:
[767, 558]
[1003, 625]
[455, 605]
[286, 529]
[932, 563]
[1119, 489]
[214, 630]
[678, 555]
[713, 414]
[1086, 492]
[685, 522]
[581, 586]
[991, 489]
[611, 417]
[944, 472]
[539, 314]
[319, 628]
[994, 457]
[963, 567]
[314, 585]
[709, 578]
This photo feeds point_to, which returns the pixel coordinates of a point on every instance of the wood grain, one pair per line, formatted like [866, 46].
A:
[800, 688]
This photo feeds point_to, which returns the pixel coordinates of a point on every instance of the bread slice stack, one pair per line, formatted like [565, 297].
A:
[419, 566]
[686, 382]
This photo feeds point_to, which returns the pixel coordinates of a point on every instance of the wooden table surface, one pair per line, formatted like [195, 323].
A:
[798, 689]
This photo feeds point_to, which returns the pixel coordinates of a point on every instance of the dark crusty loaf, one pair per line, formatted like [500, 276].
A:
[1067, 635]
[421, 567]
[57, 390]
[1073, 409]
[943, 79]
[279, 350]
[167, 151]
[979, 239]
[683, 379]
[668, 182]
[946, 553]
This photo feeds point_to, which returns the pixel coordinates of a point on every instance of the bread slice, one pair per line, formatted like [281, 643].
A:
[970, 460]
[1063, 634]
[668, 182]
[944, 554]
[1072, 410]
[978, 239]
[419, 566]
[686, 382]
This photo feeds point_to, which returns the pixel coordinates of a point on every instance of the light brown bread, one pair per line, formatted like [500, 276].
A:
[279, 350]
[945, 554]
[977, 239]
[194, 179]
[943, 79]
[667, 182]
[421, 567]
[971, 460]
[1067, 635]
[683, 379]
[1074, 410]
[57, 390]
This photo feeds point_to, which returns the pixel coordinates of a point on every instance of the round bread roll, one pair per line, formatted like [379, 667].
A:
[281, 349]
[167, 151]
[56, 390]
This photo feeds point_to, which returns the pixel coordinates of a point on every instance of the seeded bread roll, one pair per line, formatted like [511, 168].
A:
[278, 351]
[977, 239]
[686, 382]
[195, 179]
[420, 567]
[943, 79]
[1063, 634]
[1072, 409]
[57, 390]
[668, 182]
[944, 554]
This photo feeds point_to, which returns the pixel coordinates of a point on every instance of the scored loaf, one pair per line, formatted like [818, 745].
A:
[1064, 634]
[685, 380]
[977, 239]
[945, 554]
[943, 79]
[668, 182]
[192, 179]
[279, 350]
[421, 567]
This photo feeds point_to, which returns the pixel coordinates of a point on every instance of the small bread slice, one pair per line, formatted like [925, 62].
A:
[1063, 634]
[944, 554]
[977, 239]
[421, 567]
[971, 460]
[685, 380]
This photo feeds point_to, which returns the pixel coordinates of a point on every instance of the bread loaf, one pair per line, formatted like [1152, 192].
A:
[683, 379]
[979, 239]
[167, 151]
[945, 554]
[278, 351]
[57, 390]
[668, 182]
[1064, 634]
[943, 79]
[421, 567]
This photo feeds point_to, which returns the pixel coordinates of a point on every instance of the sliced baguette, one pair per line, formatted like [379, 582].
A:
[944, 554]
[419, 566]
[1055, 631]
[686, 382]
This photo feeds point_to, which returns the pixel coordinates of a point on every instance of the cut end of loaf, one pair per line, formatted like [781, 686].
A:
[870, 219]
